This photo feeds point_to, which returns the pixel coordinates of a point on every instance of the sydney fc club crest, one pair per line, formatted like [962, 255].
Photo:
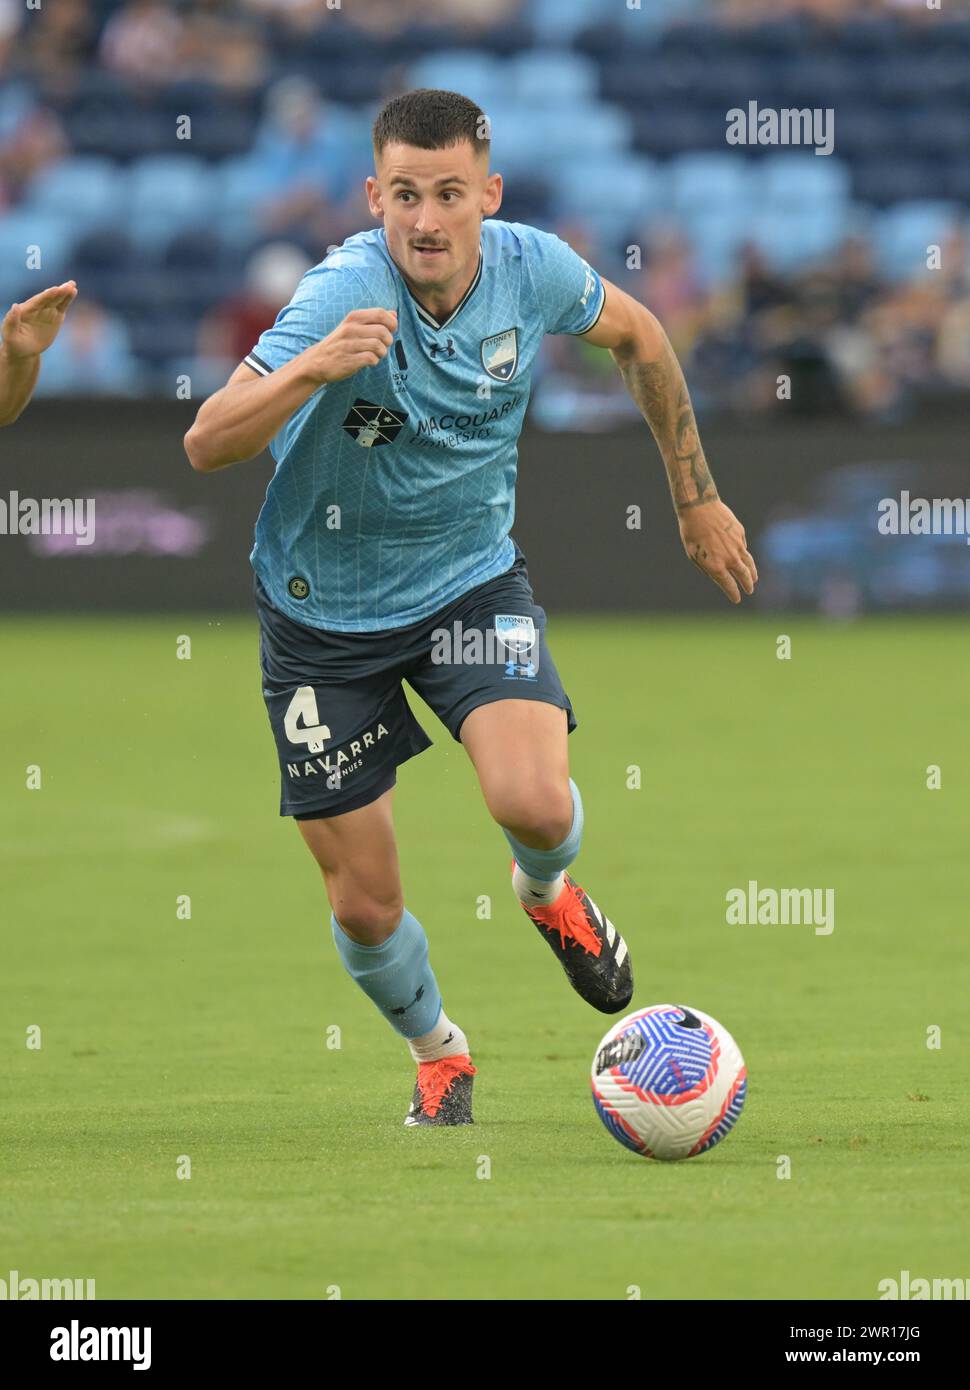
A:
[516, 632]
[500, 354]
[373, 424]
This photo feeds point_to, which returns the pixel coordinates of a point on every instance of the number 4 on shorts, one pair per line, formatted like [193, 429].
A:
[311, 731]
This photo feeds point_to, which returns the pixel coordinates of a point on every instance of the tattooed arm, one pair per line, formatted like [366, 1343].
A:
[712, 535]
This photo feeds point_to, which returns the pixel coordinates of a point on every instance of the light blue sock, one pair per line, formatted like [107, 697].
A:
[396, 975]
[547, 864]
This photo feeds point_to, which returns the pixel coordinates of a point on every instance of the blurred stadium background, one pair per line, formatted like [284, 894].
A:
[608, 123]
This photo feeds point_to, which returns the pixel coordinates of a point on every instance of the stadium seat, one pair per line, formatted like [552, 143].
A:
[727, 81]
[704, 181]
[790, 238]
[863, 130]
[870, 35]
[558, 21]
[527, 199]
[815, 79]
[552, 76]
[354, 82]
[479, 76]
[157, 336]
[87, 189]
[16, 102]
[123, 133]
[528, 138]
[953, 180]
[239, 185]
[881, 180]
[936, 130]
[904, 77]
[778, 40]
[616, 194]
[106, 265]
[796, 182]
[904, 232]
[168, 192]
[669, 130]
[716, 234]
[51, 233]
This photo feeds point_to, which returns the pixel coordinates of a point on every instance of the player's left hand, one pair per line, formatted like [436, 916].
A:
[715, 541]
[29, 328]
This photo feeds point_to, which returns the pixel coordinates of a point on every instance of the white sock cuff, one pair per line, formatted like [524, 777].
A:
[445, 1040]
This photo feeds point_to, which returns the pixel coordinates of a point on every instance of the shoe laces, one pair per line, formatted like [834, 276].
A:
[435, 1079]
[568, 917]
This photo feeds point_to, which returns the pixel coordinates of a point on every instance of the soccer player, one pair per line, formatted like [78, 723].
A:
[391, 391]
[28, 329]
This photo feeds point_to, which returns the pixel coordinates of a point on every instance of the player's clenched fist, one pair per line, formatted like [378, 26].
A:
[361, 340]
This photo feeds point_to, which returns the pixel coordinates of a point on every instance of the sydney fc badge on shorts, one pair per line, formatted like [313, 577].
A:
[516, 635]
[500, 354]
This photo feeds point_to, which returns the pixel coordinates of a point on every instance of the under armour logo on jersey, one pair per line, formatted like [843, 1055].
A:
[439, 351]
[373, 424]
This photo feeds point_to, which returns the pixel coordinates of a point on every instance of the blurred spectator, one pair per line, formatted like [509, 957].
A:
[954, 344]
[141, 41]
[761, 288]
[302, 159]
[55, 41]
[301, 16]
[227, 51]
[229, 331]
[91, 356]
[11, 15]
[31, 138]
[856, 279]
[670, 286]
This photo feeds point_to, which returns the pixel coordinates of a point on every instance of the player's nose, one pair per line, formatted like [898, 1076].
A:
[425, 223]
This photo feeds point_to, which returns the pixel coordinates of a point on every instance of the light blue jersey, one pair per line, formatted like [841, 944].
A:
[394, 490]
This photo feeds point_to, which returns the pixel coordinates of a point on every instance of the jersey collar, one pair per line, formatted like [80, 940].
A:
[424, 314]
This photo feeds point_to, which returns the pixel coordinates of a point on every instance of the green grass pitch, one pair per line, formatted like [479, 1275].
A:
[207, 1037]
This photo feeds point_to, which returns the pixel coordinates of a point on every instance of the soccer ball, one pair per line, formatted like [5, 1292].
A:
[668, 1082]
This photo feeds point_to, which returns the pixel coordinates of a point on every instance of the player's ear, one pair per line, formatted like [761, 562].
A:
[492, 200]
[374, 196]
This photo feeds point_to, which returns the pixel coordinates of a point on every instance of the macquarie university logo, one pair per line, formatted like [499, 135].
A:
[372, 424]
[500, 354]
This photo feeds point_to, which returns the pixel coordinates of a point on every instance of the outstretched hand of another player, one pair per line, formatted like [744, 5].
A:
[29, 329]
[715, 541]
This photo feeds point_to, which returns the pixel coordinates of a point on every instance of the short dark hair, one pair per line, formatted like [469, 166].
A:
[431, 119]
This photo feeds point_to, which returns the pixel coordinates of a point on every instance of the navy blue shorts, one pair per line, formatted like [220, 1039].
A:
[337, 707]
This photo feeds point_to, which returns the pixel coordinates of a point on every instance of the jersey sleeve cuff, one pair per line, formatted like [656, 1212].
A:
[596, 318]
[257, 364]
